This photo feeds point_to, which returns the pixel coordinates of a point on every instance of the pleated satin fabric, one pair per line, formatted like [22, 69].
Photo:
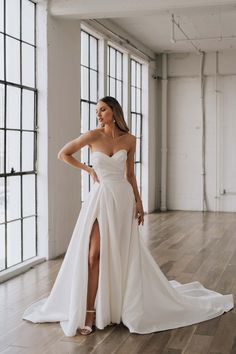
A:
[131, 287]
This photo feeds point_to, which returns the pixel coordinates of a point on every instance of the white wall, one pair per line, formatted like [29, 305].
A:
[63, 126]
[184, 182]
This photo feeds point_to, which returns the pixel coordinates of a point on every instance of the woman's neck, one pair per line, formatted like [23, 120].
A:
[111, 130]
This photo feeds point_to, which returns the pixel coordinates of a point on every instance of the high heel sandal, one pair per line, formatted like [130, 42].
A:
[86, 330]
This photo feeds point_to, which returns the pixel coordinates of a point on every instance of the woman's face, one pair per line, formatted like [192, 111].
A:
[104, 113]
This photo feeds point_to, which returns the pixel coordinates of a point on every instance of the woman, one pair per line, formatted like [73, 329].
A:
[107, 266]
[111, 138]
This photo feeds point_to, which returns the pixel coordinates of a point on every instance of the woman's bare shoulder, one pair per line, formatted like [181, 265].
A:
[94, 133]
[131, 137]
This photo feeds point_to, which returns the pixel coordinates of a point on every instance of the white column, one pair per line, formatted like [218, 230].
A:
[164, 134]
[63, 126]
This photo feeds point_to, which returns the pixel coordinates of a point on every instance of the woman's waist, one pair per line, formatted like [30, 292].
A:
[111, 177]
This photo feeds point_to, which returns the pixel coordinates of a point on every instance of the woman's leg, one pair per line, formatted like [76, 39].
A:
[93, 270]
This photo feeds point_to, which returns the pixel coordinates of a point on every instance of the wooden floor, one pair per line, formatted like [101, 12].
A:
[187, 246]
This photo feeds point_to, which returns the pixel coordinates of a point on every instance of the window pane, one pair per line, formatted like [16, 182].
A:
[13, 60]
[84, 83]
[28, 109]
[84, 154]
[133, 100]
[1, 57]
[28, 195]
[133, 118]
[13, 197]
[13, 243]
[28, 21]
[27, 151]
[138, 103]
[29, 238]
[13, 17]
[84, 48]
[2, 200]
[112, 87]
[1, 151]
[1, 15]
[93, 118]
[108, 60]
[13, 107]
[138, 133]
[2, 104]
[28, 69]
[119, 65]
[13, 151]
[138, 174]
[93, 53]
[108, 84]
[93, 86]
[2, 247]
[138, 83]
[84, 117]
[112, 62]
[137, 149]
[133, 81]
[119, 92]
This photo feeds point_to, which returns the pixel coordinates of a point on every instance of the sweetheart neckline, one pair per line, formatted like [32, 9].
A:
[93, 152]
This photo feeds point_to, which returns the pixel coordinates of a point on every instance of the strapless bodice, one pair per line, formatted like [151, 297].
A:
[110, 168]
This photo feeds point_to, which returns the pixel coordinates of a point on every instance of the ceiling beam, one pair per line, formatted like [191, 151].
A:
[84, 9]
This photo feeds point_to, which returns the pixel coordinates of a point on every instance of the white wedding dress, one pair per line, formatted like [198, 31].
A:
[131, 288]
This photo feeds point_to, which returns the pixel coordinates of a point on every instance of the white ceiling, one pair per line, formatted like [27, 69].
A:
[155, 30]
[149, 21]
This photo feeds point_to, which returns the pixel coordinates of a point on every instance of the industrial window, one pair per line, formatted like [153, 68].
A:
[136, 116]
[89, 97]
[115, 74]
[18, 132]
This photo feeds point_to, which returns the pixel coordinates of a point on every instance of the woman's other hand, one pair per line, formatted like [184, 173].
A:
[139, 214]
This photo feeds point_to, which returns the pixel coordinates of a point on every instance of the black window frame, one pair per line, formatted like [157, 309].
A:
[115, 77]
[137, 116]
[90, 103]
[21, 173]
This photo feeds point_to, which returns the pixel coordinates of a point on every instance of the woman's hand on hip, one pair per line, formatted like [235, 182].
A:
[94, 176]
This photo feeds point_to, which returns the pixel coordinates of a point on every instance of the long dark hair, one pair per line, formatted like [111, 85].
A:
[118, 114]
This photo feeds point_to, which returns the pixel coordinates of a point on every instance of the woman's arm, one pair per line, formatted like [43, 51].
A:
[130, 175]
[65, 154]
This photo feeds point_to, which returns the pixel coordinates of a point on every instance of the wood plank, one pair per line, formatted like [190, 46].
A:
[208, 328]
[156, 343]
[224, 338]
[111, 343]
[198, 345]
[180, 337]
[134, 344]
